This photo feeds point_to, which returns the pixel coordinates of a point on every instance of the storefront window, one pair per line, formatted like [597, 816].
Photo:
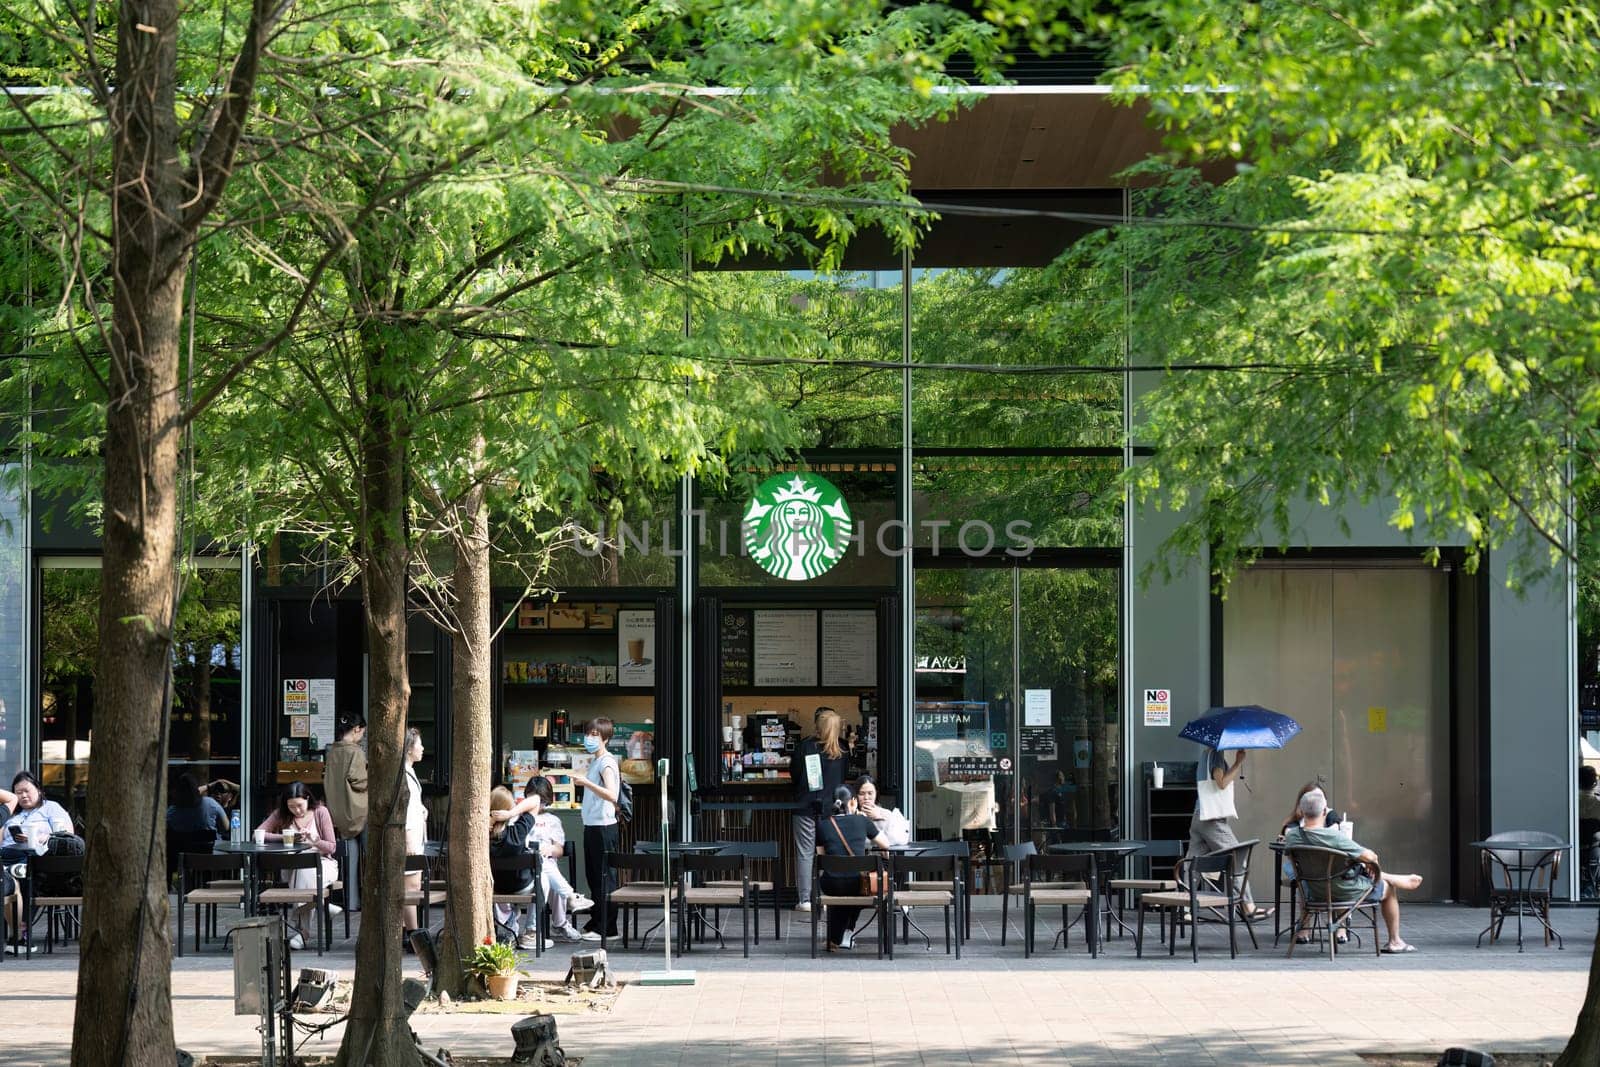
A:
[985, 504]
[13, 630]
[206, 720]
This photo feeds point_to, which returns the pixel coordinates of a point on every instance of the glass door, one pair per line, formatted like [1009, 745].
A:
[1069, 736]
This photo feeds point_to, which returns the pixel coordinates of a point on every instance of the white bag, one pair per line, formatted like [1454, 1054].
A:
[1215, 803]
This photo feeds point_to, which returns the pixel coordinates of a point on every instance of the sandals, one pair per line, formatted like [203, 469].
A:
[1399, 951]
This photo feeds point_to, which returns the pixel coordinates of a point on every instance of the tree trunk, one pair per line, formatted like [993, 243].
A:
[467, 908]
[202, 705]
[1583, 1049]
[377, 1033]
[123, 983]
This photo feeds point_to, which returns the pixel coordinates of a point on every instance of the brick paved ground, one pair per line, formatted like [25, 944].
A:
[782, 1008]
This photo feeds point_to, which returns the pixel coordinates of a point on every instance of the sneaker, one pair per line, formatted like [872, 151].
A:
[804, 905]
[589, 935]
[296, 941]
[568, 933]
[578, 902]
[528, 941]
[334, 909]
[847, 940]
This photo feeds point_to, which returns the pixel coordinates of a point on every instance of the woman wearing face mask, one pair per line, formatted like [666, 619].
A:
[299, 809]
[600, 835]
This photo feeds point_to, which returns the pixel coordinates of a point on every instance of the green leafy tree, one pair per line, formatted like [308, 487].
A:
[1392, 299]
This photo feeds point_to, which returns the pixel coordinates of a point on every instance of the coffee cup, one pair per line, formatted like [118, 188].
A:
[261, 837]
[289, 835]
[1158, 776]
[636, 650]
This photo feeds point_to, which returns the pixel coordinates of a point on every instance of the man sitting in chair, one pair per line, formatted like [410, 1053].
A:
[1357, 883]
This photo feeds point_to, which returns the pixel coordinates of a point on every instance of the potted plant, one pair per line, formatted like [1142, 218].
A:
[494, 963]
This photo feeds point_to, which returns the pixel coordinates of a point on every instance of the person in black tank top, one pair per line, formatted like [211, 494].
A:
[845, 833]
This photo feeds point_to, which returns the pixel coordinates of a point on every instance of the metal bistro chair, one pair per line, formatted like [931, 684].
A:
[1314, 867]
[58, 907]
[1064, 881]
[270, 863]
[644, 889]
[1014, 856]
[1209, 871]
[962, 852]
[529, 898]
[765, 853]
[423, 898]
[1520, 878]
[879, 903]
[199, 888]
[943, 888]
[718, 889]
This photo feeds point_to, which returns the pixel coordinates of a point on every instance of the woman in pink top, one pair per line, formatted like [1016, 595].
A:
[308, 817]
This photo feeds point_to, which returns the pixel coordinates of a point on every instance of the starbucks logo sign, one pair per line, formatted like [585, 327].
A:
[797, 526]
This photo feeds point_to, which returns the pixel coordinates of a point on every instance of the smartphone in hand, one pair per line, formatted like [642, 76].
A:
[17, 834]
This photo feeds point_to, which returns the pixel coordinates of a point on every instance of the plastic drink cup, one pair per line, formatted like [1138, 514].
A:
[261, 837]
[1158, 776]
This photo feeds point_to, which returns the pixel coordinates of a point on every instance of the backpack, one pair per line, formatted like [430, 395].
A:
[624, 799]
[62, 885]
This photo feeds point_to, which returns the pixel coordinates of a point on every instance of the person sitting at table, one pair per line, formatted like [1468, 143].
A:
[1588, 801]
[548, 838]
[890, 822]
[1362, 881]
[1302, 934]
[508, 839]
[193, 814]
[29, 816]
[845, 832]
[299, 810]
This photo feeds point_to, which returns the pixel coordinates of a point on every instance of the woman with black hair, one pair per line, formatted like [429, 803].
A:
[845, 832]
[192, 813]
[31, 818]
[300, 811]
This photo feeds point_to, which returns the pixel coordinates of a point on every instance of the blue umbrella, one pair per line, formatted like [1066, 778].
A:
[1249, 726]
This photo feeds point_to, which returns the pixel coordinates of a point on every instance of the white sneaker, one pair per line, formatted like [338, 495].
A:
[529, 941]
[847, 939]
[568, 933]
[804, 905]
[578, 902]
[334, 909]
[296, 941]
[589, 935]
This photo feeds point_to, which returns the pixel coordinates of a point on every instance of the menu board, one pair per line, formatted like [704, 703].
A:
[636, 647]
[737, 647]
[785, 648]
[849, 648]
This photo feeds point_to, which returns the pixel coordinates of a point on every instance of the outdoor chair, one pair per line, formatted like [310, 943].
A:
[643, 889]
[1064, 881]
[1013, 856]
[963, 855]
[766, 854]
[286, 897]
[199, 888]
[1520, 878]
[529, 899]
[59, 908]
[929, 881]
[1127, 890]
[1239, 855]
[1314, 867]
[718, 889]
[180, 842]
[1215, 874]
[423, 898]
[879, 904]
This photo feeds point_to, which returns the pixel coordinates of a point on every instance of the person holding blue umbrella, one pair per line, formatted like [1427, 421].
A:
[1239, 728]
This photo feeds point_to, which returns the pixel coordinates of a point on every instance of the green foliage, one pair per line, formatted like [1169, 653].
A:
[1405, 265]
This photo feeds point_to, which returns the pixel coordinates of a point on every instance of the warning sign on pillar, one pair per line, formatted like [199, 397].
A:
[1158, 707]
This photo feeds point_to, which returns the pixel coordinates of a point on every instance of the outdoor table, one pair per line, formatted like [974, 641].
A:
[1279, 847]
[913, 848]
[1108, 857]
[682, 848]
[252, 873]
[1524, 872]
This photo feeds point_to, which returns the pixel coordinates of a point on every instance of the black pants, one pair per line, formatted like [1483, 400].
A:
[597, 841]
[840, 919]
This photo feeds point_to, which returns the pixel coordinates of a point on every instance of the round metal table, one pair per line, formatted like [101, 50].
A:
[1108, 858]
[1521, 878]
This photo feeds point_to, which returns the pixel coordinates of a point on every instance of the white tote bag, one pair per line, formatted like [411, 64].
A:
[1215, 803]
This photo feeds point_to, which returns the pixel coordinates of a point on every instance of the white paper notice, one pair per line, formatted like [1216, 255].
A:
[321, 709]
[1158, 707]
[849, 648]
[636, 647]
[1036, 707]
[785, 648]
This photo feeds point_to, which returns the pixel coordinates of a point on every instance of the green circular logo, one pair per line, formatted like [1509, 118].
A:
[797, 526]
